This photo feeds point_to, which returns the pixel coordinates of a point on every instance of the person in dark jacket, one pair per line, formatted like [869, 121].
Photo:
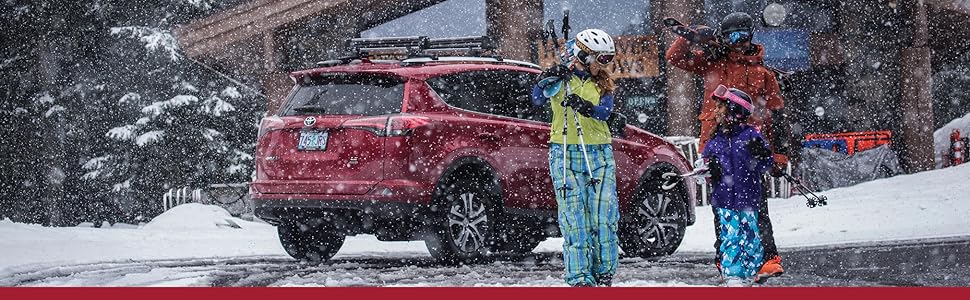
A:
[737, 62]
[737, 157]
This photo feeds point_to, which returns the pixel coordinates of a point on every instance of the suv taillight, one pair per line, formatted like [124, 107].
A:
[403, 125]
[396, 125]
[268, 124]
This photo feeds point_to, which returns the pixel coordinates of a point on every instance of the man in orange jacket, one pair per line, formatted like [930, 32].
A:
[732, 60]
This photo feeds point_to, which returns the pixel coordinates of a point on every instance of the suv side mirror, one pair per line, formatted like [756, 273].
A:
[617, 124]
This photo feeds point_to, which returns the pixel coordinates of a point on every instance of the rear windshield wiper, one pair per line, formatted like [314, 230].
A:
[310, 109]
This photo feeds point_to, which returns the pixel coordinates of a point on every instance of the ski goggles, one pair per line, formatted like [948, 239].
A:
[723, 94]
[601, 58]
[737, 37]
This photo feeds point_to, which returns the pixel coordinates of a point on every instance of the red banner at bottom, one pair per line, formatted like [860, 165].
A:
[392, 293]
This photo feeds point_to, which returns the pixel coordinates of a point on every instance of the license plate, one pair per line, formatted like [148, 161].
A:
[313, 140]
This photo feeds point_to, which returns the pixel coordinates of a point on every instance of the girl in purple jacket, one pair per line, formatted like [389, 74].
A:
[737, 156]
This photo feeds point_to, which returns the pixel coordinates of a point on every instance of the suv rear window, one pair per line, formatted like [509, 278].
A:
[347, 94]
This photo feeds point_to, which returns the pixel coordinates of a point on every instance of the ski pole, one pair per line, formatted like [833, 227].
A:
[814, 200]
[565, 147]
[582, 144]
[579, 129]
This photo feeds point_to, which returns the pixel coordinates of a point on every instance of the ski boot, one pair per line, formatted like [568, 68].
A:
[771, 268]
[604, 280]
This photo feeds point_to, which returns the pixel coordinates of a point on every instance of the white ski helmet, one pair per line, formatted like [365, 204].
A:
[594, 42]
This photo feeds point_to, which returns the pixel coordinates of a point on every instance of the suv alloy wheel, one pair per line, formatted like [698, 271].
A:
[464, 223]
[658, 220]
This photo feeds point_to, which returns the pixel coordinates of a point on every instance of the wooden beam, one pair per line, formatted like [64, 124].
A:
[246, 21]
[252, 19]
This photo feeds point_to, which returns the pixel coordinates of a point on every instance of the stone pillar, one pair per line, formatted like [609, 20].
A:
[916, 95]
[682, 92]
[515, 26]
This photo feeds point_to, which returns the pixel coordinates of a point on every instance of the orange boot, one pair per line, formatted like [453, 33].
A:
[771, 268]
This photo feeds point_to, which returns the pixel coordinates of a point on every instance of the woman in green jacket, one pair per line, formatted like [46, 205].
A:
[584, 177]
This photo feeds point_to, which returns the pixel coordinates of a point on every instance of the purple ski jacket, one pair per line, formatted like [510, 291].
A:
[741, 174]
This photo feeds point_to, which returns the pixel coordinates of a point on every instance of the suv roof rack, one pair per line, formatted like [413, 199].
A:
[422, 45]
[412, 50]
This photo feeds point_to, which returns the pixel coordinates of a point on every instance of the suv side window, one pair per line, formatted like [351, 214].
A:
[347, 94]
[503, 93]
[517, 94]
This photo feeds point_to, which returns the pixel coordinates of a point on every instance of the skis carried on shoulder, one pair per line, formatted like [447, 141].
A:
[694, 33]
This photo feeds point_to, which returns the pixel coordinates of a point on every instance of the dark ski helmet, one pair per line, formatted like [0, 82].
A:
[736, 27]
[738, 102]
[739, 110]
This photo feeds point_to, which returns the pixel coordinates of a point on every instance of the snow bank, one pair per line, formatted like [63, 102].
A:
[187, 231]
[941, 137]
[195, 216]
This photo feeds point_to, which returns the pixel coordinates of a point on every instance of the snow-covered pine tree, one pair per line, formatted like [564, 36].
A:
[75, 70]
[186, 127]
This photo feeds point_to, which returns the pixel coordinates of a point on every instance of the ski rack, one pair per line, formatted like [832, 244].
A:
[416, 50]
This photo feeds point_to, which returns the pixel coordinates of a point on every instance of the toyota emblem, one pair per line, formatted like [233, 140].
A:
[309, 121]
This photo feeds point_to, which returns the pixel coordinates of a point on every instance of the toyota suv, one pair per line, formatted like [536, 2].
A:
[444, 149]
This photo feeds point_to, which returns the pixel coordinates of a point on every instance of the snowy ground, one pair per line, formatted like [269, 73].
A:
[926, 205]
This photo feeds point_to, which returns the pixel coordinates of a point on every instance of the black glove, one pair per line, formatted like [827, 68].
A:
[777, 172]
[557, 70]
[758, 149]
[714, 52]
[581, 106]
[714, 168]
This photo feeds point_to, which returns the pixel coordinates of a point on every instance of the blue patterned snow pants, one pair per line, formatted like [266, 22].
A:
[588, 215]
[741, 250]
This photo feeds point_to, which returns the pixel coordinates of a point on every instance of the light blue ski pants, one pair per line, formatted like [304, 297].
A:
[588, 215]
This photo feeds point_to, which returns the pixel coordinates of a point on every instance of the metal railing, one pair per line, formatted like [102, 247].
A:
[234, 197]
[178, 196]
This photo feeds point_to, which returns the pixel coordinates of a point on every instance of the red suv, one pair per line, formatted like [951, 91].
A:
[448, 150]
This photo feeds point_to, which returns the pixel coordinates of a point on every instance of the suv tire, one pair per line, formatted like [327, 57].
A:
[462, 224]
[658, 220]
[311, 244]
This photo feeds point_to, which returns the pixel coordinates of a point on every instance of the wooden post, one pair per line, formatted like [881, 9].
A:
[515, 26]
[682, 100]
[274, 81]
[916, 95]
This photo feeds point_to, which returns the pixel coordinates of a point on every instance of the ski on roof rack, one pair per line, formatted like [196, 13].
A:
[465, 59]
[410, 47]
